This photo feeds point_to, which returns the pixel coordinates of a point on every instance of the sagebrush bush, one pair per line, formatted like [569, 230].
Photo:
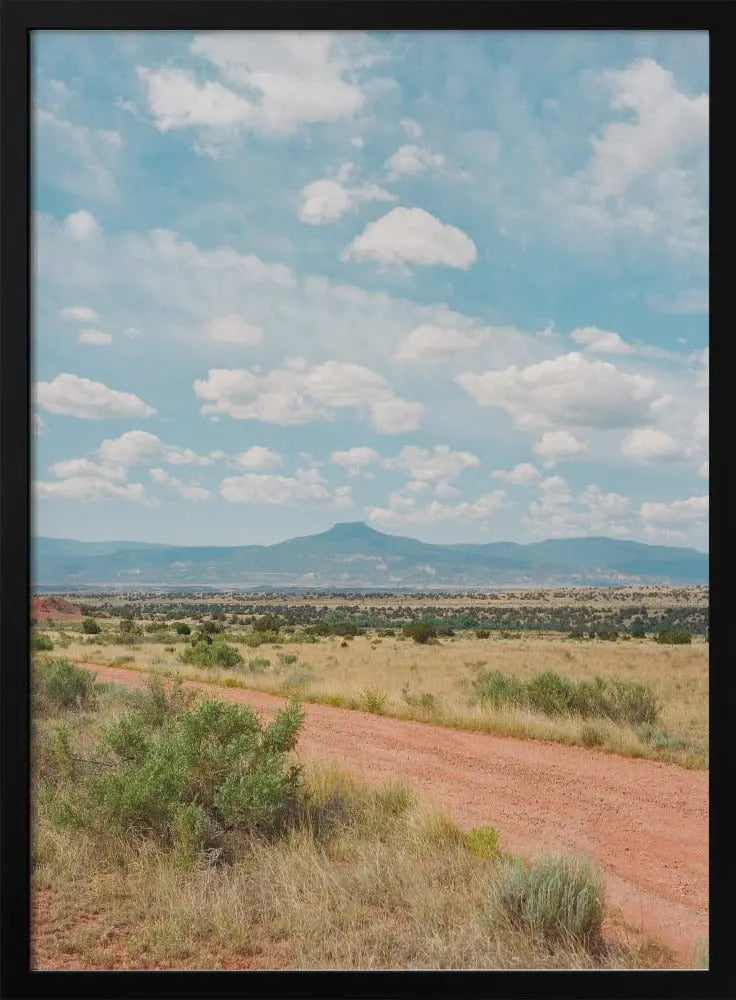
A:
[41, 643]
[90, 627]
[629, 702]
[212, 654]
[556, 898]
[372, 700]
[192, 776]
[674, 637]
[59, 684]
[421, 632]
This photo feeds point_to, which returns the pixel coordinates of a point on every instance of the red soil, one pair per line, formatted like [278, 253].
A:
[45, 608]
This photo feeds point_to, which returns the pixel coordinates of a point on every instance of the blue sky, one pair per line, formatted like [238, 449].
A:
[453, 284]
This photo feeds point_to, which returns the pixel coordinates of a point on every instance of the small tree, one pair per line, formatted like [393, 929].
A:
[181, 628]
[90, 627]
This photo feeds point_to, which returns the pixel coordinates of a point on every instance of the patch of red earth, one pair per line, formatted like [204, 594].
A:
[644, 822]
[46, 608]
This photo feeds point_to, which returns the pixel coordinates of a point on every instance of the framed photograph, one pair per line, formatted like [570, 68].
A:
[356, 501]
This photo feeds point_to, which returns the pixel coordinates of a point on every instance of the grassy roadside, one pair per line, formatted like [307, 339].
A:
[353, 878]
[646, 741]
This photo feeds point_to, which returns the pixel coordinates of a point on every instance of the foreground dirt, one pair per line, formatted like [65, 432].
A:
[646, 823]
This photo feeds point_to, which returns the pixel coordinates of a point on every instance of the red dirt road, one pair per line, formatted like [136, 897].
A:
[646, 823]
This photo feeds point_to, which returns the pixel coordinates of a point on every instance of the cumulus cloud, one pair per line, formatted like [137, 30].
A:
[325, 200]
[403, 509]
[232, 329]
[75, 396]
[307, 487]
[187, 491]
[89, 489]
[84, 467]
[411, 159]
[80, 224]
[355, 460]
[412, 236]
[647, 444]
[567, 390]
[600, 341]
[521, 475]
[258, 457]
[141, 448]
[431, 464]
[300, 394]
[85, 314]
[274, 82]
[693, 509]
[412, 128]
[557, 446]
[96, 337]
[436, 343]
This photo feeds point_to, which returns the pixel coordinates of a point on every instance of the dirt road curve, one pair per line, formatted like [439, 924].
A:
[646, 823]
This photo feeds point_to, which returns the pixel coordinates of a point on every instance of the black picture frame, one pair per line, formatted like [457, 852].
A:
[19, 19]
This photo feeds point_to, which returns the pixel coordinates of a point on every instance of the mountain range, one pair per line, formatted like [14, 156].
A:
[355, 556]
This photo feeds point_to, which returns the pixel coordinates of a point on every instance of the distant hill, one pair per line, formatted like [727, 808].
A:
[353, 555]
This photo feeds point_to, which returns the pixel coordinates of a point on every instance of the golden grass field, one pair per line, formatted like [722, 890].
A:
[379, 674]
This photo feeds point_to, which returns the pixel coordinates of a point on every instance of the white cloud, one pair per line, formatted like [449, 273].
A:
[647, 176]
[647, 444]
[438, 463]
[354, 460]
[411, 159]
[436, 343]
[558, 446]
[83, 467]
[404, 509]
[600, 341]
[96, 337]
[299, 394]
[176, 101]
[704, 470]
[188, 491]
[82, 156]
[37, 424]
[521, 475]
[694, 509]
[74, 396]
[325, 200]
[85, 314]
[141, 448]
[233, 329]
[258, 457]
[307, 486]
[90, 488]
[80, 224]
[412, 128]
[357, 141]
[567, 390]
[688, 302]
[412, 236]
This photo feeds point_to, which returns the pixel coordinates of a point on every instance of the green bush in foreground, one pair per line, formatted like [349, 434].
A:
[41, 643]
[212, 654]
[556, 898]
[60, 684]
[90, 627]
[550, 694]
[188, 775]
[421, 632]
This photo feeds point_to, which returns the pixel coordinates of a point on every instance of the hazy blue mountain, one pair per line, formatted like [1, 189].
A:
[353, 555]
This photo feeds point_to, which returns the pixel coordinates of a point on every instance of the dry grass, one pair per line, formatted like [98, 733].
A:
[398, 672]
[372, 880]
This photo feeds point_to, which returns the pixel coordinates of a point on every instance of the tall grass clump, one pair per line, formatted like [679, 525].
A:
[550, 694]
[190, 776]
[560, 899]
[41, 643]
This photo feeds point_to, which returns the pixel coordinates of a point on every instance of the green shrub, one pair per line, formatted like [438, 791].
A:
[421, 632]
[550, 694]
[181, 628]
[190, 776]
[90, 627]
[556, 898]
[674, 637]
[268, 623]
[499, 688]
[425, 701]
[286, 659]
[41, 643]
[372, 700]
[591, 736]
[212, 654]
[60, 684]
[482, 633]
[259, 663]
